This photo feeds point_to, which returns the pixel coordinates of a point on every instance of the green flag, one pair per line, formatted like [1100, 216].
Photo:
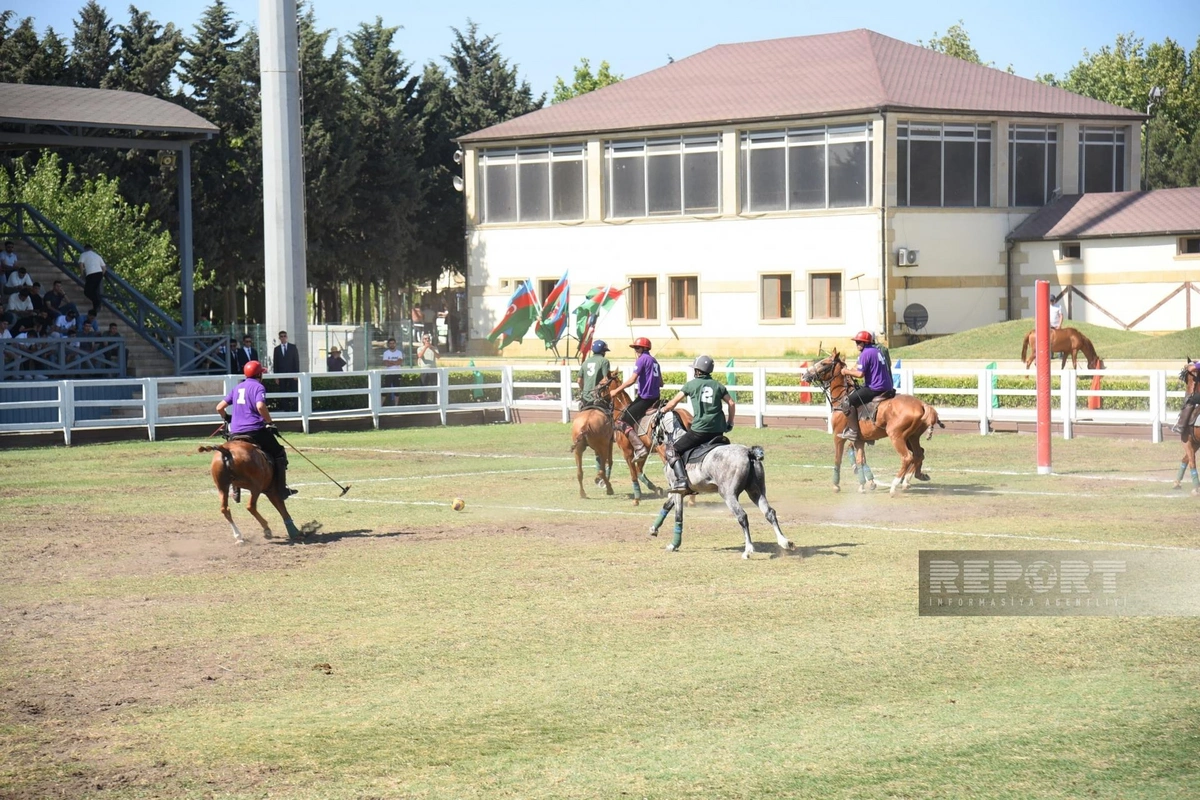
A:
[477, 393]
[731, 378]
[995, 400]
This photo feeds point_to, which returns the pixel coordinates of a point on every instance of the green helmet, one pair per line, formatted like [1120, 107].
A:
[703, 364]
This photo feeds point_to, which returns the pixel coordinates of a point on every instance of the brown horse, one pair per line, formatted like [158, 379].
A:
[1065, 341]
[637, 467]
[593, 428]
[1191, 443]
[902, 419]
[242, 465]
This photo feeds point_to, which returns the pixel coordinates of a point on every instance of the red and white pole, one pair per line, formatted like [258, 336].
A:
[1042, 351]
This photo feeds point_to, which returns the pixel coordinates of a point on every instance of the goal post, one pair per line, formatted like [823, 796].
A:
[1042, 353]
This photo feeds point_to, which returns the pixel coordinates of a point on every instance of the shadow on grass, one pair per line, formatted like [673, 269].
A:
[313, 535]
[960, 488]
[803, 552]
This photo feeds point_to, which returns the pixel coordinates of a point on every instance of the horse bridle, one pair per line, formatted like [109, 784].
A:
[826, 383]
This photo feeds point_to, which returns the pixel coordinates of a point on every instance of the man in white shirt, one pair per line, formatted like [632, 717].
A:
[94, 270]
[1056, 316]
[393, 359]
[8, 259]
[20, 301]
[17, 279]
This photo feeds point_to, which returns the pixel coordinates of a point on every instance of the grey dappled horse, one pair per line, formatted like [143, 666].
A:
[727, 470]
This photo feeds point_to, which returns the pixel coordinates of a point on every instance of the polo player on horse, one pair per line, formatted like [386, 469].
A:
[873, 368]
[593, 371]
[709, 420]
[252, 420]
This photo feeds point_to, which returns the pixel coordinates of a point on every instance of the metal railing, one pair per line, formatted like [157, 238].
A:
[46, 359]
[23, 221]
[202, 354]
[762, 393]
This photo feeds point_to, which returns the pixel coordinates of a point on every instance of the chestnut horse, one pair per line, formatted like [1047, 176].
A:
[593, 428]
[1191, 444]
[242, 465]
[1063, 340]
[902, 419]
[637, 468]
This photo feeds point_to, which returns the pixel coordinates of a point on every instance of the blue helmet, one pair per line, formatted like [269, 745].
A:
[600, 347]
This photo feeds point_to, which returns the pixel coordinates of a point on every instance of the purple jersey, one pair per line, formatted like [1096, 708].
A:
[875, 372]
[649, 378]
[244, 400]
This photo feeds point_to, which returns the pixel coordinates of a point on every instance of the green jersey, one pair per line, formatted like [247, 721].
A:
[706, 395]
[594, 370]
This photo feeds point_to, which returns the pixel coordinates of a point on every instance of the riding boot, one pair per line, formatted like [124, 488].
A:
[635, 441]
[281, 463]
[1187, 418]
[850, 432]
[679, 485]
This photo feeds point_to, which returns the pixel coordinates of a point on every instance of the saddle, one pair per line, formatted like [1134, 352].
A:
[596, 405]
[697, 454]
[646, 422]
[869, 411]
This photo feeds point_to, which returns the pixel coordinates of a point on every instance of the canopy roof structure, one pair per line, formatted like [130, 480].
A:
[65, 115]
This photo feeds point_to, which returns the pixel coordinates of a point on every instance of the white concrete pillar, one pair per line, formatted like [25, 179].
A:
[283, 177]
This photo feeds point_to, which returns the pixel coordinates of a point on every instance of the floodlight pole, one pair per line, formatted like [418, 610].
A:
[1042, 351]
[188, 305]
[283, 176]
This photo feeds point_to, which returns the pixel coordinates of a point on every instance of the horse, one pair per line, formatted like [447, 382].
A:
[1063, 340]
[902, 419]
[637, 467]
[727, 470]
[1191, 443]
[242, 465]
[593, 427]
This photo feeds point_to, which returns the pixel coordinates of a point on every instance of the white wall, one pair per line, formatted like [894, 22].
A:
[727, 254]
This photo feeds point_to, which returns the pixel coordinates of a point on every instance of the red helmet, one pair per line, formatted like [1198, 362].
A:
[253, 369]
[641, 341]
[865, 337]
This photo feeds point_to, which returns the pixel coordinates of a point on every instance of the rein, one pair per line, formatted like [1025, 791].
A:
[849, 384]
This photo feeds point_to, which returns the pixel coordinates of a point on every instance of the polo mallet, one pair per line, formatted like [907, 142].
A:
[309, 460]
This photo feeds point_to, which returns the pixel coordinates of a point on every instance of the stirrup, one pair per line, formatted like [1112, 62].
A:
[290, 491]
[681, 488]
[849, 434]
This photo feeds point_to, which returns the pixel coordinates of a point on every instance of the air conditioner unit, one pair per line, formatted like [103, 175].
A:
[906, 257]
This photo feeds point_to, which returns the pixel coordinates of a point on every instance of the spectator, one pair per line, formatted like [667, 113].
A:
[94, 270]
[89, 325]
[285, 360]
[393, 359]
[230, 351]
[17, 279]
[427, 356]
[20, 303]
[1056, 316]
[244, 355]
[8, 260]
[67, 321]
[112, 330]
[55, 299]
[35, 297]
[5, 333]
[334, 361]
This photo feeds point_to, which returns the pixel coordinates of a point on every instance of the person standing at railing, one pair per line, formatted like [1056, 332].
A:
[334, 361]
[427, 356]
[393, 359]
[285, 360]
[94, 270]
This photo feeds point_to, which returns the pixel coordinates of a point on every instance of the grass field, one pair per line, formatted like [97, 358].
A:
[536, 645]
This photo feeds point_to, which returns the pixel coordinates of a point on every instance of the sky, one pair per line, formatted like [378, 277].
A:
[546, 39]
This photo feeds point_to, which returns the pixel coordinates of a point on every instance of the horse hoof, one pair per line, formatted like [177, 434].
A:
[746, 554]
[652, 532]
[670, 548]
[921, 476]
[836, 488]
[267, 534]
[862, 488]
[637, 502]
[1176, 486]
[872, 485]
[1195, 492]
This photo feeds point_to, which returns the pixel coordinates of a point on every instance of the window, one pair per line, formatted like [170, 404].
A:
[776, 297]
[643, 298]
[944, 165]
[531, 184]
[685, 298]
[664, 177]
[1101, 159]
[825, 295]
[1032, 164]
[545, 287]
[828, 166]
[1069, 250]
[1189, 245]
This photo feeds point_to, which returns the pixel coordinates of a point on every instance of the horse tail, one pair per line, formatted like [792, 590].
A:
[226, 456]
[930, 418]
[757, 485]
[1025, 349]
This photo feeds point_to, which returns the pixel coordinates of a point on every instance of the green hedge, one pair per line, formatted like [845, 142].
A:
[1030, 401]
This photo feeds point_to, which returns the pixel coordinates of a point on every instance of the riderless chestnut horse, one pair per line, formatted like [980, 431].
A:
[902, 419]
[1063, 340]
[637, 467]
[1191, 443]
[240, 464]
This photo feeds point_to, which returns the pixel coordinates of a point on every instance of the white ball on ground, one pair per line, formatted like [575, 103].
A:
[459, 504]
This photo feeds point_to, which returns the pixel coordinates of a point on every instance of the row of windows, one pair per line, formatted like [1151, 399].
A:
[683, 296]
[1184, 246]
[826, 166]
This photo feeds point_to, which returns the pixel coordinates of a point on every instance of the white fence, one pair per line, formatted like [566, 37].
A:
[760, 392]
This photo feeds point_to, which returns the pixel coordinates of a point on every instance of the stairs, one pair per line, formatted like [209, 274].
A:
[143, 360]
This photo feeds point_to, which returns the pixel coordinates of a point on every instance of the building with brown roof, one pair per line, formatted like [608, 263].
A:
[1123, 259]
[763, 197]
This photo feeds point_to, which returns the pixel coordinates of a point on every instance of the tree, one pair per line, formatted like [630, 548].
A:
[24, 58]
[146, 56]
[584, 81]
[956, 42]
[92, 46]
[486, 91]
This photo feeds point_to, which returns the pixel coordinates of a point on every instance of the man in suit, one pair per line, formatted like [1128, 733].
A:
[244, 355]
[285, 360]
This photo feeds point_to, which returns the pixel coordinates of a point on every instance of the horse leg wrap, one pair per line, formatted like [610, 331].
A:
[677, 539]
[662, 516]
[837, 475]
[867, 472]
[293, 532]
[862, 476]
[637, 491]
[1179, 475]
[1195, 479]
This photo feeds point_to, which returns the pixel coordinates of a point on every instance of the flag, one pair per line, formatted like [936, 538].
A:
[598, 299]
[477, 393]
[896, 374]
[731, 379]
[585, 338]
[995, 400]
[522, 311]
[552, 320]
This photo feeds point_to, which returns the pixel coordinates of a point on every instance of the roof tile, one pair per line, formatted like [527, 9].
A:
[1082, 216]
